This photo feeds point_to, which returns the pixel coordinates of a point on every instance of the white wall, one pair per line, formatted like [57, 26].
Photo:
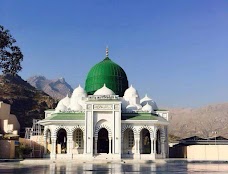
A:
[207, 152]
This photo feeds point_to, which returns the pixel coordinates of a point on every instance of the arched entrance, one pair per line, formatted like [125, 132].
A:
[61, 141]
[128, 141]
[103, 141]
[78, 141]
[158, 142]
[146, 142]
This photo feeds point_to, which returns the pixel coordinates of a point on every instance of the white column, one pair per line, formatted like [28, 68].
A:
[110, 144]
[89, 133]
[152, 145]
[136, 145]
[69, 145]
[155, 145]
[113, 145]
[53, 148]
[136, 139]
[84, 145]
[45, 145]
[163, 148]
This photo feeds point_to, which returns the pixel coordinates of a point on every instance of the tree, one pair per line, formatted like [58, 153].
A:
[10, 55]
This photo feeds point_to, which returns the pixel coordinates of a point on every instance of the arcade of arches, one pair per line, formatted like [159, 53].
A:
[132, 143]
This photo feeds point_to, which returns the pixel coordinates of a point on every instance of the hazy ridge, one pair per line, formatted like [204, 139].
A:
[57, 88]
[204, 121]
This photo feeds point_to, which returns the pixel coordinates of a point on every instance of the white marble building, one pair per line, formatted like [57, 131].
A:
[106, 120]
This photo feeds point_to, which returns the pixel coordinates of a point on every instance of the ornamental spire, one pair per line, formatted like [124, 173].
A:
[106, 51]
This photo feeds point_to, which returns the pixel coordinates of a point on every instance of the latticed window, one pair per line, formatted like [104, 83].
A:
[78, 138]
[130, 138]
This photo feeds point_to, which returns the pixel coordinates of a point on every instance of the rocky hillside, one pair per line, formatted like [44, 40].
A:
[57, 89]
[26, 101]
[208, 121]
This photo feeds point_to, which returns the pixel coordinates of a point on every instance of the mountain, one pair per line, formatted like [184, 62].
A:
[208, 121]
[27, 103]
[57, 89]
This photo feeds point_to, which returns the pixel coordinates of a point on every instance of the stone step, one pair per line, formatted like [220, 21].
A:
[103, 156]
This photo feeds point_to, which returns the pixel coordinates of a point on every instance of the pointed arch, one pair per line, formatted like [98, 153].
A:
[77, 127]
[161, 130]
[128, 126]
[61, 127]
[148, 128]
[46, 128]
[100, 127]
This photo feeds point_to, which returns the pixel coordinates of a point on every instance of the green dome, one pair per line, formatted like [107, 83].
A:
[109, 73]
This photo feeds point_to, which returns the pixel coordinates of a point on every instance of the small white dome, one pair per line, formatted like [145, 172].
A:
[66, 101]
[147, 108]
[145, 99]
[131, 108]
[130, 92]
[148, 100]
[104, 91]
[79, 92]
[60, 107]
[77, 100]
[75, 106]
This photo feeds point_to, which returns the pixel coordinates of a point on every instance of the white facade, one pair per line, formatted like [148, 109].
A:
[106, 126]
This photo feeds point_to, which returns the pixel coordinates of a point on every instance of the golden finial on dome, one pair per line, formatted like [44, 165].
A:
[106, 51]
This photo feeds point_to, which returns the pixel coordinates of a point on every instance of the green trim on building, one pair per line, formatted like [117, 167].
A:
[67, 116]
[109, 73]
[139, 116]
[124, 116]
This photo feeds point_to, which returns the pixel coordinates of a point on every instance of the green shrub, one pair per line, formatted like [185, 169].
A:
[24, 150]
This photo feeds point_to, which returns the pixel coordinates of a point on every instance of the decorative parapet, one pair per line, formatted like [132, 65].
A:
[102, 97]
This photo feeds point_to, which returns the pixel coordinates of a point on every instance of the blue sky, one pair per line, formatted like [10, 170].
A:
[175, 51]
